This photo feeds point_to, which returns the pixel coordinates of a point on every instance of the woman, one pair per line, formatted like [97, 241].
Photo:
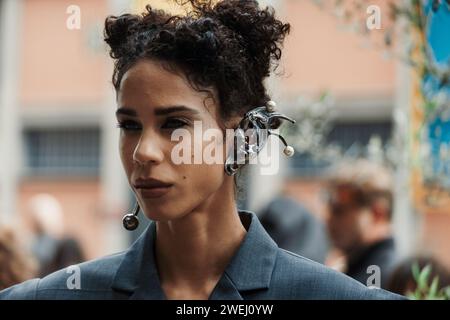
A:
[170, 74]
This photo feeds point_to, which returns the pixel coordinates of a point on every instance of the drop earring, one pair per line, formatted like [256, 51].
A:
[130, 220]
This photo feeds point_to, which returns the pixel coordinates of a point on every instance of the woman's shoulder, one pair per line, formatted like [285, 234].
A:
[90, 279]
[307, 279]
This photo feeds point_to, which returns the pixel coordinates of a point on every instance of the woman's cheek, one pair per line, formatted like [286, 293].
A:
[199, 179]
[126, 150]
[211, 177]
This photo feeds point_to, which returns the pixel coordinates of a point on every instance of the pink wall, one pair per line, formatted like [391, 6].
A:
[320, 56]
[57, 66]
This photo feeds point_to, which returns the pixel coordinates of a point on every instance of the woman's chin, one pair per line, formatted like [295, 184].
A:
[161, 214]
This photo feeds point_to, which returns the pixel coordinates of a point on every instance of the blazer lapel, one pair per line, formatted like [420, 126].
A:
[251, 267]
[137, 274]
[225, 290]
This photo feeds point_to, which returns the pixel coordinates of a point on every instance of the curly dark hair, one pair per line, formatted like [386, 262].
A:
[230, 45]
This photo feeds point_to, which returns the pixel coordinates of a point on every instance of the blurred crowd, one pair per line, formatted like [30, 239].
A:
[356, 237]
[39, 245]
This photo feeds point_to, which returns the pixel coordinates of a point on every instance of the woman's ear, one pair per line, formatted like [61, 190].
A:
[233, 121]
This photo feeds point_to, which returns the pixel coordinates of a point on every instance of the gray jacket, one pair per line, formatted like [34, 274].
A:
[259, 270]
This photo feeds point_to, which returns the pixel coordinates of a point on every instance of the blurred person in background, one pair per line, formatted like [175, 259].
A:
[16, 264]
[50, 245]
[403, 281]
[360, 201]
[295, 229]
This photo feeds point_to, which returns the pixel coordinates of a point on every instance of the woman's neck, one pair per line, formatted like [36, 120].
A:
[192, 252]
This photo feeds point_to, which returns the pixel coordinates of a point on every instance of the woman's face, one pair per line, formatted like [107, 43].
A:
[152, 103]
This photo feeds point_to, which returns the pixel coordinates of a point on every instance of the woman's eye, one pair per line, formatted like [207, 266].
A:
[174, 124]
[129, 125]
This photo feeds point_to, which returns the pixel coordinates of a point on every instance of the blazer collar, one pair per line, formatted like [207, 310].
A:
[250, 268]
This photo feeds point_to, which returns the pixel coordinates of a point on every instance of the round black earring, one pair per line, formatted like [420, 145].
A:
[130, 220]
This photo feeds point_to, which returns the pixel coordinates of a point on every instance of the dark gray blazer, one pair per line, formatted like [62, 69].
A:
[259, 270]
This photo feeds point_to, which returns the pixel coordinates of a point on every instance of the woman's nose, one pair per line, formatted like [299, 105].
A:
[148, 149]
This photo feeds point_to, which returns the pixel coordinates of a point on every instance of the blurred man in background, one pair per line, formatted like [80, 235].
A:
[360, 210]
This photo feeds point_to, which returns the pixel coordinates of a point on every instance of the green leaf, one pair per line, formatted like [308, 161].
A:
[415, 271]
[447, 292]
[423, 278]
[412, 295]
[434, 288]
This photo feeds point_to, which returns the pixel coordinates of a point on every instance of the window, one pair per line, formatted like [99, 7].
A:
[345, 135]
[62, 151]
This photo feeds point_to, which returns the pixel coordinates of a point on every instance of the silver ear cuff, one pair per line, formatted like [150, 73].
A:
[260, 121]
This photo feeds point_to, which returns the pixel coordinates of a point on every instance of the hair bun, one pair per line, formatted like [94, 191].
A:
[229, 45]
[119, 30]
[259, 31]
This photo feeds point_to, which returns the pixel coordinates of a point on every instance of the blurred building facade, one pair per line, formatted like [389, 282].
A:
[58, 132]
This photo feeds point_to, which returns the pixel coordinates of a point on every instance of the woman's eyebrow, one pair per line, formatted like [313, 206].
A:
[160, 111]
[126, 111]
[172, 109]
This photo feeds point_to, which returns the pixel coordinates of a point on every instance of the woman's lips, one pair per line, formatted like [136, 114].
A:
[155, 192]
